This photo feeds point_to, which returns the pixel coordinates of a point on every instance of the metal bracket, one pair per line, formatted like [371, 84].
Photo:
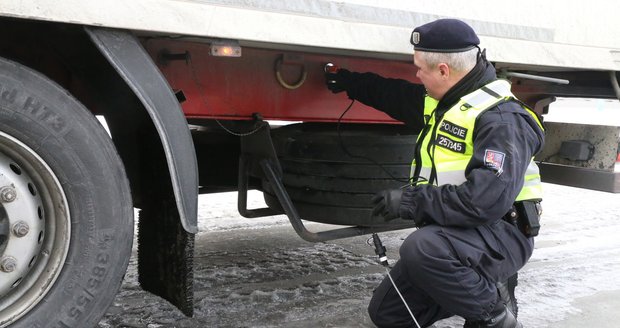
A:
[505, 74]
[258, 157]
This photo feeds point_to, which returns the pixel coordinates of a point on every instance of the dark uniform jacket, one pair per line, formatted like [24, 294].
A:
[486, 195]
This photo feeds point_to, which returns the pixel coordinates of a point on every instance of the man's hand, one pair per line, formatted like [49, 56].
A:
[387, 203]
[408, 206]
[338, 81]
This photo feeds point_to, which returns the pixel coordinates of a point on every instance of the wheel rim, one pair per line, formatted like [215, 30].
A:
[39, 225]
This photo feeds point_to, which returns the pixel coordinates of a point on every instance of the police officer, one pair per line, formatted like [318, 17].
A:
[473, 163]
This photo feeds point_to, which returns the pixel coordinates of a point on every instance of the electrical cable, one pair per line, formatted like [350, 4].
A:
[346, 150]
[383, 260]
[402, 298]
[240, 134]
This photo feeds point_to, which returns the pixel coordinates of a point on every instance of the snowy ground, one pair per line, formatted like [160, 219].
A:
[258, 273]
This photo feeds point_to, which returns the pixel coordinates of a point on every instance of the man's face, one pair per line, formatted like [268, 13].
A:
[433, 79]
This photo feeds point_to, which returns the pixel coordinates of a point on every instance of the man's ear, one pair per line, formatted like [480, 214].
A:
[444, 70]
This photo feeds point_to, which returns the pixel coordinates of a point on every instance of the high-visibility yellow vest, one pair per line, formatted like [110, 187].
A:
[454, 147]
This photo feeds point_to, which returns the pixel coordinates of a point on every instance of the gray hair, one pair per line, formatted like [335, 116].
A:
[457, 61]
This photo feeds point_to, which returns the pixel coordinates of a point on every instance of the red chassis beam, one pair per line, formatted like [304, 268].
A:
[235, 88]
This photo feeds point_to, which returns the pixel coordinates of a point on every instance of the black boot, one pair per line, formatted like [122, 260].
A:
[504, 319]
[506, 290]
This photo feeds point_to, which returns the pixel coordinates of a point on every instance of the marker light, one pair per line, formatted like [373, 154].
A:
[225, 49]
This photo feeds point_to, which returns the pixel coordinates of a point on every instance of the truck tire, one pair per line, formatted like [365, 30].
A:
[328, 185]
[67, 200]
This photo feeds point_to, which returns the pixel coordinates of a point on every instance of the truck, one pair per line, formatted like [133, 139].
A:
[205, 96]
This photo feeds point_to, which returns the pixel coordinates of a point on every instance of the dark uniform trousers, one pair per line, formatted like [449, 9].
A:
[446, 271]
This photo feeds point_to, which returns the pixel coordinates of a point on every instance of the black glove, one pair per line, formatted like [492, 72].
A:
[408, 205]
[337, 82]
[387, 203]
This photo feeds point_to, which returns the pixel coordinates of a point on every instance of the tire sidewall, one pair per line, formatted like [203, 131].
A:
[74, 145]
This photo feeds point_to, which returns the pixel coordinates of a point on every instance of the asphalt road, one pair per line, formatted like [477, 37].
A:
[258, 273]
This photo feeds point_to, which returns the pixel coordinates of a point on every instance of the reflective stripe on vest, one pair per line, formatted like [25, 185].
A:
[453, 146]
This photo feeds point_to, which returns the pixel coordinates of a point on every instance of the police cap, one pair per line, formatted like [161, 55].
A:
[444, 35]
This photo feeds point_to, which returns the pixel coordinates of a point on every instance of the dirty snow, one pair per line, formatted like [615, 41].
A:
[258, 273]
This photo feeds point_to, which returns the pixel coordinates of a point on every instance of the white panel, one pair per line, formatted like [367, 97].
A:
[550, 33]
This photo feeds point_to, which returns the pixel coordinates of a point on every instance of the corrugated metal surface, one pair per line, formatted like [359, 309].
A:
[549, 33]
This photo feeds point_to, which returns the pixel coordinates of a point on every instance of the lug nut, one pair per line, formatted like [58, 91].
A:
[8, 264]
[7, 194]
[20, 229]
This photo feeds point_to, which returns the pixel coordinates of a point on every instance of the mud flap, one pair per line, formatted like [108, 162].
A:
[165, 255]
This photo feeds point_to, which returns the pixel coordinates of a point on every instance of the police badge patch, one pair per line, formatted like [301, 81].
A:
[494, 160]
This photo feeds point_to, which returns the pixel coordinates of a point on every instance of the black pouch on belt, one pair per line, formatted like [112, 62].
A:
[528, 217]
